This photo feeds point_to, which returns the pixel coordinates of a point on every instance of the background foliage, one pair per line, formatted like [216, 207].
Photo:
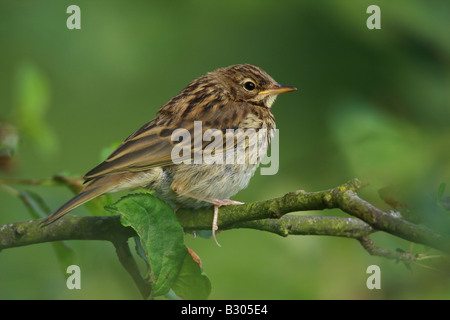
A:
[372, 104]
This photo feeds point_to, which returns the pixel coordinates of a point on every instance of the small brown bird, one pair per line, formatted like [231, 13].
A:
[235, 99]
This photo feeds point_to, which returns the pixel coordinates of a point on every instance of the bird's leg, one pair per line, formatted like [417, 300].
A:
[217, 204]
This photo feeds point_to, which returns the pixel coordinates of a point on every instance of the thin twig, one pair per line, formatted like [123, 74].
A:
[128, 262]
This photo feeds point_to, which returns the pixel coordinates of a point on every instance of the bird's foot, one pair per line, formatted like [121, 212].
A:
[217, 204]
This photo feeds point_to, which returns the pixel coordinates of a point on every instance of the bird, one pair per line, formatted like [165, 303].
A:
[236, 99]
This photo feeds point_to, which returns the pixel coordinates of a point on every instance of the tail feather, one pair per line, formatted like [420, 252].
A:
[83, 197]
[98, 186]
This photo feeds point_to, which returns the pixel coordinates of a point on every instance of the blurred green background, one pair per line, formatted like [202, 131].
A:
[371, 104]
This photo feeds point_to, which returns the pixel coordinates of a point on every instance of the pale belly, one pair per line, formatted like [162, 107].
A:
[187, 185]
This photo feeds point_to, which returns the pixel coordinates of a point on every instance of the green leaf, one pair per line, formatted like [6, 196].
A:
[161, 235]
[192, 283]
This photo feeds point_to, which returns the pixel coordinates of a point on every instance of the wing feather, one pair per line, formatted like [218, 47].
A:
[151, 145]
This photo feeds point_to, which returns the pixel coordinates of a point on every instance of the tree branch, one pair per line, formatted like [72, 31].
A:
[310, 225]
[268, 215]
[343, 197]
[69, 227]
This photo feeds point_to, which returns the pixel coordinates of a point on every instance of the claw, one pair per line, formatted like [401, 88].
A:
[214, 224]
[217, 204]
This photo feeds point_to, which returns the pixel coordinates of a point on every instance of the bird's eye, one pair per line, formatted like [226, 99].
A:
[249, 85]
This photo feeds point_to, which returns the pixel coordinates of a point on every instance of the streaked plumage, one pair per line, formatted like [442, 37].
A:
[222, 100]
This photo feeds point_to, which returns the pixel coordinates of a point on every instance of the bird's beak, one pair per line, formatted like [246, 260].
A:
[277, 89]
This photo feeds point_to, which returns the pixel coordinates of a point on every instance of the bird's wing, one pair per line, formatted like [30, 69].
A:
[152, 145]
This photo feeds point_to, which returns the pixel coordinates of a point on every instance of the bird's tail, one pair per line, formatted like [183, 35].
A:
[91, 191]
